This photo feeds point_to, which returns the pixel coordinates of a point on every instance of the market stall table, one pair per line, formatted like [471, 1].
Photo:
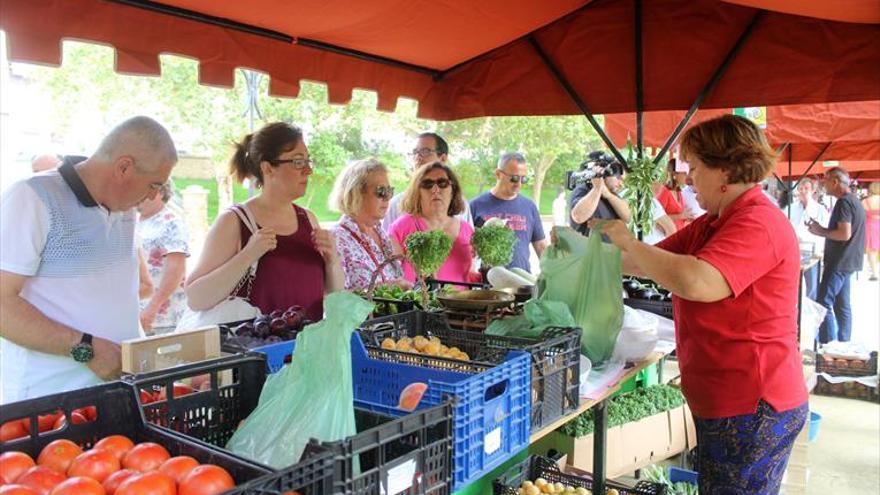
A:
[600, 418]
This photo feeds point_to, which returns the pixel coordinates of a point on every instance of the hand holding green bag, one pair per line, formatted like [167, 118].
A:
[313, 397]
[584, 273]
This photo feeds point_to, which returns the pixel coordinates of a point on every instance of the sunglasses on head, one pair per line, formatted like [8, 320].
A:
[430, 183]
[516, 179]
[384, 192]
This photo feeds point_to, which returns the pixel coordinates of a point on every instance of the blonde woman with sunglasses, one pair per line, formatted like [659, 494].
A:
[431, 202]
[362, 194]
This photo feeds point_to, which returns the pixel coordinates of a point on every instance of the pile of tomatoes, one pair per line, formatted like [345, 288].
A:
[21, 428]
[114, 466]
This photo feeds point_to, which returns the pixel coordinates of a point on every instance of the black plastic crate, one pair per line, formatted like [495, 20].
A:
[555, 356]
[847, 367]
[541, 467]
[849, 390]
[382, 444]
[118, 413]
[312, 476]
[661, 308]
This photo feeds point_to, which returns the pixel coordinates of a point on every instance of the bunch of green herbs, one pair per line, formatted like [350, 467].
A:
[638, 185]
[427, 251]
[629, 407]
[494, 244]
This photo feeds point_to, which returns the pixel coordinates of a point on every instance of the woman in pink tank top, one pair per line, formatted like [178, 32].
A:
[431, 202]
[297, 263]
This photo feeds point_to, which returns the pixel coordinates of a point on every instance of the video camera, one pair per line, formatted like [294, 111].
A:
[597, 164]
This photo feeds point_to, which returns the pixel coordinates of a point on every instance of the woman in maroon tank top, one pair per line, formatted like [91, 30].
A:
[297, 263]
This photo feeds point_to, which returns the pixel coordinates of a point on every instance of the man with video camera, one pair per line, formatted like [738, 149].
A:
[595, 192]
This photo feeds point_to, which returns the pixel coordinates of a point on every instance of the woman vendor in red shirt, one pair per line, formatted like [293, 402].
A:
[733, 274]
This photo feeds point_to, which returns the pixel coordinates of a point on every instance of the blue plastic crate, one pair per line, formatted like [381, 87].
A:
[276, 354]
[492, 413]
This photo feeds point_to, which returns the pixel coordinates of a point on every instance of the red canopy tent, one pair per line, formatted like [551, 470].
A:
[807, 135]
[494, 57]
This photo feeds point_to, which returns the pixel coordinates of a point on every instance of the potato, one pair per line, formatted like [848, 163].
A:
[420, 342]
[612, 491]
[434, 338]
[432, 349]
[404, 347]
[558, 488]
[405, 339]
[531, 490]
[540, 482]
[463, 356]
[581, 491]
[443, 349]
[389, 344]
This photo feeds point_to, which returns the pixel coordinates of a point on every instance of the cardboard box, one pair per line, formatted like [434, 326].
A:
[164, 351]
[634, 445]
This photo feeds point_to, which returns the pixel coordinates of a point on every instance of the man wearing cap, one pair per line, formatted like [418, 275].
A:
[598, 199]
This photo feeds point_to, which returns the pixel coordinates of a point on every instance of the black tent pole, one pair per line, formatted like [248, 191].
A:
[640, 104]
[569, 89]
[790, 190]
[807, 172]
[716, 76]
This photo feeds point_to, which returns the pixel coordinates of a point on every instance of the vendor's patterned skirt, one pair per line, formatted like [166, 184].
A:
[746, 454]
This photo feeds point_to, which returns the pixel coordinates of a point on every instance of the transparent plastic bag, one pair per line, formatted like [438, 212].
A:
[584, 273]
[310, 398]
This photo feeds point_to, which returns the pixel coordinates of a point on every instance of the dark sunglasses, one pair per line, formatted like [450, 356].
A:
[516, 179]
[384, 192]
[430, 183]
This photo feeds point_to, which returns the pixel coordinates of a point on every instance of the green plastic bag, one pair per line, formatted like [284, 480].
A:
[312, 397]
[584, 273]
[538, 315]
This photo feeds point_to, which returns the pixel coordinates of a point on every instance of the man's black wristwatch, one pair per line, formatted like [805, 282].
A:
[83, 352]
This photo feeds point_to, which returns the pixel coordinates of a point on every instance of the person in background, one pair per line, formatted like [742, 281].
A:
[688, 195]
[362, 193]
[671, 197]
[871, 204]
[431, 202]
[504, 201]
[69, 265]
[297, 260]
[734, 275]
[164, 238]
[429, 148]
[663, 225]
[598, 199]
[844, 255]
[49, 161]
[805, 208]
[560, 208]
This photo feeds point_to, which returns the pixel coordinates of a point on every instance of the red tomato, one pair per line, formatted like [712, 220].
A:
[42, 479]
[119, 445]
[178, 467]
[95, 464]
[111, 484]
[46, 422]
[58, 455]
[11, 430]
[179, 391]
[59, 423]
[207, 479]
[152, 483]
[17, 490]
[13, 465]
[78, 485]
[145, 457]
[90, 412]
[147, 397]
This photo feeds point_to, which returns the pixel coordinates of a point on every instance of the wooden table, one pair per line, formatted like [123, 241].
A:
[600, 419]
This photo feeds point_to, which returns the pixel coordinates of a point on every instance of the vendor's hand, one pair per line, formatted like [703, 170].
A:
[814, 227]
[148, 316]
[260, 243]
[403, 284]
[616, 230]
[324, 243]
[107, 361]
